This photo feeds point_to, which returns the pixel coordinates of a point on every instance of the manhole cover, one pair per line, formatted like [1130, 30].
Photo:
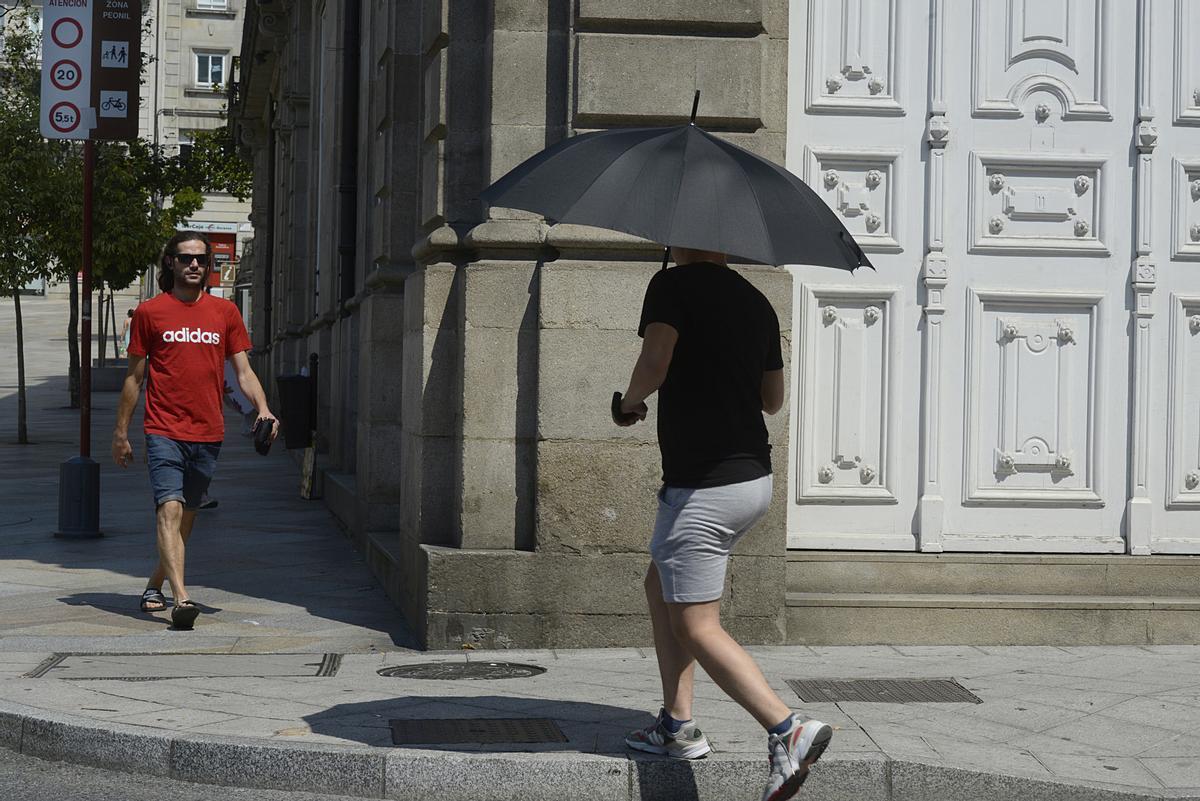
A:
[156, 667]
[883, 691]
[447, 731]
[455, 671]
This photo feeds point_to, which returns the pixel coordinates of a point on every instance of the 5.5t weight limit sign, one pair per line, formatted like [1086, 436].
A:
[91, 56]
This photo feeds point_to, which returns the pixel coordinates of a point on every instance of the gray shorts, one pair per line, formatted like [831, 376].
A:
[695, 531]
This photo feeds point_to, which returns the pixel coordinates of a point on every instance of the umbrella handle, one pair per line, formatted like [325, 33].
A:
[617, 415]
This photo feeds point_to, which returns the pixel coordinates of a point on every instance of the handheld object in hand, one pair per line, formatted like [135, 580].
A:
[619, 416]
[262, 435]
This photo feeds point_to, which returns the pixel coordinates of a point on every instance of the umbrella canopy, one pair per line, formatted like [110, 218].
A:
[680, 186]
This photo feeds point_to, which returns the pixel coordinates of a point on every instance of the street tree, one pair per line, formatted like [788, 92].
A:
[142, 192]
[25, 253]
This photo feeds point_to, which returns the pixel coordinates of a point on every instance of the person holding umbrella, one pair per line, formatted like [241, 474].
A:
[711, 350]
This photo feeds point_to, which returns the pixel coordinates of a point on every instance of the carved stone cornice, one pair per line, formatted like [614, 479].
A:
[439, 243]
[507, 239]
[585, 242]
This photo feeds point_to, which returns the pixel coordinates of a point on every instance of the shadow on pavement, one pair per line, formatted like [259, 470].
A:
[128, 605]
[275, 564]
[589, 728]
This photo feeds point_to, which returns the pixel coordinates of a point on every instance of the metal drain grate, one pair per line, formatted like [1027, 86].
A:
[454, 671]
[158, 667]
[883, 691]
[465, 731]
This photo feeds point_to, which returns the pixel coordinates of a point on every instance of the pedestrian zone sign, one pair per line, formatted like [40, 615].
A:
[91, 65]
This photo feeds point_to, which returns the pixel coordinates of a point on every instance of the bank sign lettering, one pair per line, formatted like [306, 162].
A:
[91, 62]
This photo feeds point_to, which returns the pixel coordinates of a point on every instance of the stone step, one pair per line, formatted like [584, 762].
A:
[991, 573]
[850, 618]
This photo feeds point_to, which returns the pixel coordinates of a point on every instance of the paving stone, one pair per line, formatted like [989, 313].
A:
[1109, 770]
[1175, 772]
[1116, 737]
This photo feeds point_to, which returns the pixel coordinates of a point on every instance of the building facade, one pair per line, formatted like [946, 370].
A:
[194, 46]
[991, 438]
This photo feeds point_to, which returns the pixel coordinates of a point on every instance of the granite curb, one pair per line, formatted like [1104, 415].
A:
[412, 774]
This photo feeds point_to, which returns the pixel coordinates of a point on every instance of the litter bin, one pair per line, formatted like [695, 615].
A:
[295, 410]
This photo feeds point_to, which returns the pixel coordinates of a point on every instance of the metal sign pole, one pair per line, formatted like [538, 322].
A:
[85, 365]
[79, 477]
[91, 59]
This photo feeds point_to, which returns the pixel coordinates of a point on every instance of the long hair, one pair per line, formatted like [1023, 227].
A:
[166, 275]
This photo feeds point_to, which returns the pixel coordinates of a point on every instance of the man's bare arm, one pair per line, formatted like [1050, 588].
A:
[658, 346]
[134, 376]
[252, 388]
[772, 391]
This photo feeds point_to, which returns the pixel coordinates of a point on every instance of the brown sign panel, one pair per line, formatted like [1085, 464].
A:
[116, 67]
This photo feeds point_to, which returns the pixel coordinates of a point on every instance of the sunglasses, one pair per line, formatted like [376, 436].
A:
[188, 258]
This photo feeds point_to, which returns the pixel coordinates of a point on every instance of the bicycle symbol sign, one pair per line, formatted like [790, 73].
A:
[64, 117]
[113, 104]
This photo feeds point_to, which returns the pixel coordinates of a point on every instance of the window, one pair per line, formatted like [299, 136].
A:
[185, 143]
[212, 5]
[210, 68]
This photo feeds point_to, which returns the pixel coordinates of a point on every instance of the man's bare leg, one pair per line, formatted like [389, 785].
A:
[698, 628]
[676, 667]
[174, 529]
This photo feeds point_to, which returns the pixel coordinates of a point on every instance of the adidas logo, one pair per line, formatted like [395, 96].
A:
[192, 335]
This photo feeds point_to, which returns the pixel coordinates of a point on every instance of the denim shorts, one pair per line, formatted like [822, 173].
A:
[695, 531]
[180, 471]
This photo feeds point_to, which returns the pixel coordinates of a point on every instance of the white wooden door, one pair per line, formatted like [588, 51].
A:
[858, 77]
[1023, 371]
[1164, 507]
[1040, 99]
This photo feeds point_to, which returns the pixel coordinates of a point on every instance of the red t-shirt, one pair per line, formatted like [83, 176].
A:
[186, 345]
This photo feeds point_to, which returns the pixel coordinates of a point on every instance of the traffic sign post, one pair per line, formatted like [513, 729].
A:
[91, 70]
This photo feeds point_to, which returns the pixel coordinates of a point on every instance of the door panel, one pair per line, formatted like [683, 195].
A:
[1164, 508]
[857, 108]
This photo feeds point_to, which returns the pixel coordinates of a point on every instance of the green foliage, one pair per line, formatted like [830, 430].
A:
[28, 160]
[216, 166]
[140, 194]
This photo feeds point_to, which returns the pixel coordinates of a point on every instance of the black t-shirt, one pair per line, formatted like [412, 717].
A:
[710, 420]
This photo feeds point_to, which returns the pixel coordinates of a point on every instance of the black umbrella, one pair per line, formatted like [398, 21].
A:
[680, 186]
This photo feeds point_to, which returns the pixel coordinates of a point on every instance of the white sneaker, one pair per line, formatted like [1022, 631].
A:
[688, 743]
[792, 754]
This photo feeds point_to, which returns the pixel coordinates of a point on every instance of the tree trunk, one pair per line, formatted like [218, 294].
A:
[73, 344]
[22, 425]
[103, 327]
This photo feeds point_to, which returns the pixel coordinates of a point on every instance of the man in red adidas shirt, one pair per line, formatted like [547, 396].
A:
[179, 342]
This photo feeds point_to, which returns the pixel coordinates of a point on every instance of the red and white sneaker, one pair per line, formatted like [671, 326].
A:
[687, 743]
[792, 754]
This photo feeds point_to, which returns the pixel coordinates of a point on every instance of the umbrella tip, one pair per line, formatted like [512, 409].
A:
[695, 105]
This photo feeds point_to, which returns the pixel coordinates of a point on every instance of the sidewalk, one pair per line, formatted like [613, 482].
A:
[279, 684]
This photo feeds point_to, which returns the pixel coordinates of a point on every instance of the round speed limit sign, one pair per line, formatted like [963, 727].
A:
[66, 75]
[64, 117]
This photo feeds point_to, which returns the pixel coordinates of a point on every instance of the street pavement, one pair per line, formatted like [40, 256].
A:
[280, 685]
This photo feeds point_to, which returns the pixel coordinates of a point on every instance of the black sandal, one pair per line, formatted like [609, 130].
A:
[153, 595]
[184, 615]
